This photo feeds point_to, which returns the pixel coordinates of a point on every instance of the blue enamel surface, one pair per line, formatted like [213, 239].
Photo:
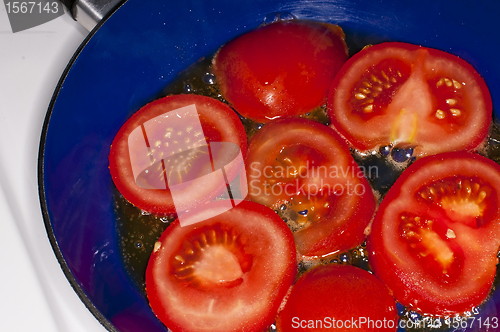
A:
[139, 50]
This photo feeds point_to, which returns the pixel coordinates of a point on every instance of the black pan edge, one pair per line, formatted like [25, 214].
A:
[41, 189]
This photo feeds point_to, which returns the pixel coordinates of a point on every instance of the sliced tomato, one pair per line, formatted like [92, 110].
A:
[435, 237]
[151, 151]
[340, 298]
[304, 169]
[228, 273]
[408, 95]
[281, 69]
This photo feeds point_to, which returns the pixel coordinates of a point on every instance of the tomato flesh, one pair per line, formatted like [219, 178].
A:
[304, 169]
[429, 241]
[148, 188]
[281, 69]
[406, 95]
[340, 297]
[376, 88]
[229, 273]
[436, 235]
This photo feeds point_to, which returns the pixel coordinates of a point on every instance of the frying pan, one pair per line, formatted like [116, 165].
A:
[138, 49]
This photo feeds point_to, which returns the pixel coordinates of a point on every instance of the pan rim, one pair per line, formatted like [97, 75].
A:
[41, 187]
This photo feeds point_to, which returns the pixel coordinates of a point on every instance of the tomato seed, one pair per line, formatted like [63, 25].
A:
[440, 114]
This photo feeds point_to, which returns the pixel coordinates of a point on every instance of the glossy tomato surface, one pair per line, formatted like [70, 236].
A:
[281, 69]
[304, 169]
[340, 298]
[436, 234]
[150, 189]
[407, 95]
[227, 273]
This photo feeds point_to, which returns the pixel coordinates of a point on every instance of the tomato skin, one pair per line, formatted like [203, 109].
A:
[281, 69]
[265, 244]
[326, 163]
[219, 123]
[338, 295]
[433, 100]
[413, 278]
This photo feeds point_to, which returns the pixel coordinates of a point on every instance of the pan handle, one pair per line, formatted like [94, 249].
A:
[90, 12]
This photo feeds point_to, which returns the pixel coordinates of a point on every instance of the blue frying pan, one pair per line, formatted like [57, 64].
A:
[129, 58]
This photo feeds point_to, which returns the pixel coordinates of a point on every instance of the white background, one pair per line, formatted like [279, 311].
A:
[34, 293]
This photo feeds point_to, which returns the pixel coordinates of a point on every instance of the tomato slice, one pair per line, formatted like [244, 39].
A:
[339, 297]
[306, 167]
[281, 69]
[227, 273]
[408, 95]
[139, 143]
[436, 234]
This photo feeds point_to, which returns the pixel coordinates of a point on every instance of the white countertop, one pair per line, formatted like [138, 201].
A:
[34, 293]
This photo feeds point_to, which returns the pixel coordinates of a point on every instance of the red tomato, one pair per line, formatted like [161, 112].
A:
[435, 237]
[408, 95]
[219, 124]
[227, 273]
[281, 69]
[307, 166]
[340, 298]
